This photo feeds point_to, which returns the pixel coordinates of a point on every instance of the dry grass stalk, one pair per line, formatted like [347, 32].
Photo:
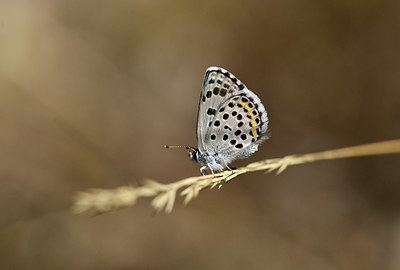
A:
[105, 200]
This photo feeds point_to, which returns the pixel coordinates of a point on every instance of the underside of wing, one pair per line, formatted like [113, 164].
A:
[218, 85]
[239, 126]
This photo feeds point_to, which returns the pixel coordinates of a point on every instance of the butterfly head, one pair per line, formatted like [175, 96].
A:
[194, 153]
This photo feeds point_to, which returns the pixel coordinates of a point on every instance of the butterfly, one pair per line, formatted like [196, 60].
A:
[231, 122]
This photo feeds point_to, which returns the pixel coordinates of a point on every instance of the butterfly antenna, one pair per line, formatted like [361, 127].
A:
[180, 146]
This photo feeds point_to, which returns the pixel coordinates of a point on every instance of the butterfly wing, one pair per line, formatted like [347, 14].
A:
[233, 124]
[240, 125]
[218, 86]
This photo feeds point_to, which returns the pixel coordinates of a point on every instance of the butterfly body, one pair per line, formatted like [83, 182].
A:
[218, 161]
[231, 123]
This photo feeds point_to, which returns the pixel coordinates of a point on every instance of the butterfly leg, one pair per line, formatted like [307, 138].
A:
[203, 170]
[231, 168]
[211, 170]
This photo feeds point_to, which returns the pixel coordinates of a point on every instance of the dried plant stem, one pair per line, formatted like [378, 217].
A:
[103, 200]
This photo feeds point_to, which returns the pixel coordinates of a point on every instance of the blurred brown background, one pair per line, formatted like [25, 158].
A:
[90, 91]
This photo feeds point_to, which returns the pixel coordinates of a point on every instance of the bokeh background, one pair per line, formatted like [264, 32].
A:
[90, 91]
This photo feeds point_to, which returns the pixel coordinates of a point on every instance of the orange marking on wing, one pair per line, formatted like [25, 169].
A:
[244, 104]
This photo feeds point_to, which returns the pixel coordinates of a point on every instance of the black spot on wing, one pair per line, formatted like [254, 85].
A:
[211, 111]
[227, 127]
[222, 93]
